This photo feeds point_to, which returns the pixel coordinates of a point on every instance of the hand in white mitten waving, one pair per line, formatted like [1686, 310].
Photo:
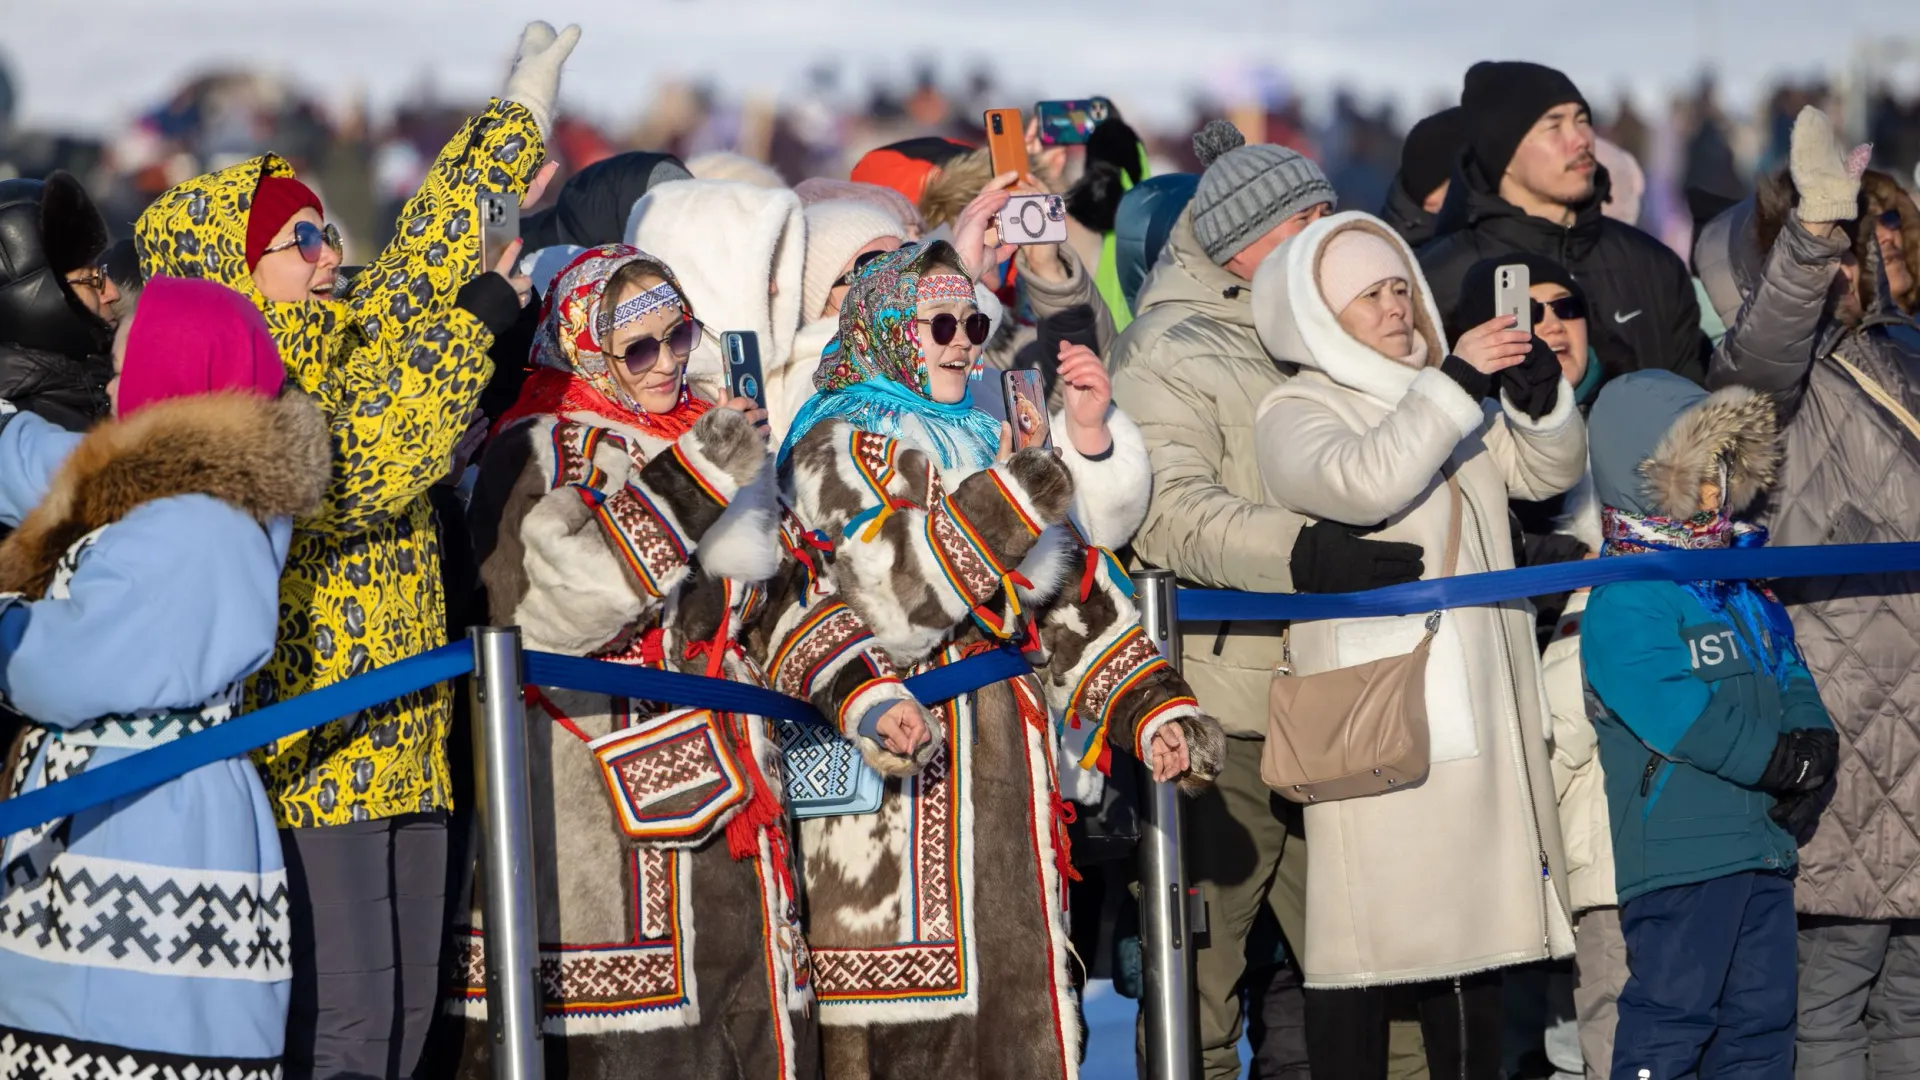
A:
[535, 79]
[1828, 180]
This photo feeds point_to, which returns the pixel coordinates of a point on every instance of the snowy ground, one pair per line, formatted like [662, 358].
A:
[89, 64]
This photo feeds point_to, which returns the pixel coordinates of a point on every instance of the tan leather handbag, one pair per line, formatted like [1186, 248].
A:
[1358, 730]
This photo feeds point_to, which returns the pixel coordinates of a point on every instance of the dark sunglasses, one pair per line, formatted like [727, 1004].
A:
[643, 354]
[944, 325]
[1566, 309]
[1889, 219]
[860, 262]
[309, 238]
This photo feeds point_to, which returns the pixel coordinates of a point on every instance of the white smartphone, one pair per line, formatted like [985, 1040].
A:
[1510, 295]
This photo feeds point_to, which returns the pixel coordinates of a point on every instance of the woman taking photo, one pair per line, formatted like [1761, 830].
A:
[947, 545]
[621, 515]
[1446, 881]
[149, 935]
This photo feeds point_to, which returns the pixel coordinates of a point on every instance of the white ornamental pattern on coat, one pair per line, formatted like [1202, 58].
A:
[28, 1055]
[132, 916]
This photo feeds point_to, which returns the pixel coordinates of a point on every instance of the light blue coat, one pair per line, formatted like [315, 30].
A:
[162, 611]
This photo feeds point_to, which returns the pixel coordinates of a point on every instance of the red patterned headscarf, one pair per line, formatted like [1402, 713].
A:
[572, 371]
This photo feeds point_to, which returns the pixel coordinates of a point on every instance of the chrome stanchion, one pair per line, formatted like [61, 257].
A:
[502, 802]
[1166, 940]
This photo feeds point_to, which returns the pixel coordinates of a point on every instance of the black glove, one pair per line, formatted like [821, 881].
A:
[1803, 760]
[1798, 814]
[492, 299]
[1533, 384]
[1478, 384]
[1332, 557]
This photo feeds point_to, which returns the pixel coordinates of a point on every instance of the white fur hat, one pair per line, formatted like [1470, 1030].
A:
[835, 230]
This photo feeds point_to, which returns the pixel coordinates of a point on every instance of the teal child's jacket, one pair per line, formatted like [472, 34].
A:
[1687, 719]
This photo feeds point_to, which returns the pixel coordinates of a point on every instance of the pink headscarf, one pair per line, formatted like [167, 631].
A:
[195, 337]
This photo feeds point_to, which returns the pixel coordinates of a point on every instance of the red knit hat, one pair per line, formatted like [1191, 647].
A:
[274, 201]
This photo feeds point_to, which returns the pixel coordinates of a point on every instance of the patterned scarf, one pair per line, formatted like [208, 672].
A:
[874, 374]
[572, 373]
[1753, 609]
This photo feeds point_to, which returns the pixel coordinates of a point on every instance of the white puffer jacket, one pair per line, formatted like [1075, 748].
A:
[1464, 871]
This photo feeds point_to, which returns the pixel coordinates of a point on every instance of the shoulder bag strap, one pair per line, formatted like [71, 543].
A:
[1879, 393]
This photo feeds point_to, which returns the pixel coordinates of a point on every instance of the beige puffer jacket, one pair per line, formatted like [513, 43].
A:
[1357, 437]
[1190, 370]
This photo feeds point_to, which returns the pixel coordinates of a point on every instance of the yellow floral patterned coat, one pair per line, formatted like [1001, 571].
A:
[398, 370]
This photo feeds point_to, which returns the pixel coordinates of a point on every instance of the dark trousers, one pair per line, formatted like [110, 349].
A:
[1460, 1022]
[369, 912]
[1710, 981]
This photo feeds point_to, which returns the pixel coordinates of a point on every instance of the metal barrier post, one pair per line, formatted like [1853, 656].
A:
[503, 803]
[1166, 940]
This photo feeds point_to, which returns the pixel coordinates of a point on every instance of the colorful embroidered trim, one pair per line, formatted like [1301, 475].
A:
[660, 296]
[641, 532]
[970, 567]
[1119, 668]
[934, 288]
[873, 458]
[699, 480]
[810, 649]
[1146, 722]
[673, 778]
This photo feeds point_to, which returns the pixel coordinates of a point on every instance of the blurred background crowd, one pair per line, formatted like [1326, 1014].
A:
[364, 160]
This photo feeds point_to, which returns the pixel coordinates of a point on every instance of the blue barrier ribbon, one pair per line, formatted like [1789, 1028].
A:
[1493, 587]
[243, 734]
[698, 691]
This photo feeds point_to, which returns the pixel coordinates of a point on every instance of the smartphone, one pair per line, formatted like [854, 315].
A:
[1034, 219]
[499, 214]
[742, 350]
[1007, 142]
[1070, 123]
[1510, 297]
[1027, 408]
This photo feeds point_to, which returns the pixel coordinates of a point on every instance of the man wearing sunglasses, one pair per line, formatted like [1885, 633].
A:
[55, 329]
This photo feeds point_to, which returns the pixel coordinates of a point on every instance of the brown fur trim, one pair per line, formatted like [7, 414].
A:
[1884, 193]
[955, 185]
[1733, 424]
[270, 458]
[1206, 752]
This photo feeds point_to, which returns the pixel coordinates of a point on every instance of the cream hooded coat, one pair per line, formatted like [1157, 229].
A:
[1464, 871]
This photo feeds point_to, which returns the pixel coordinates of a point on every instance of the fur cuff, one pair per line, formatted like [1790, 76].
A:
[1555, 419]
[745, 543]
[1110, 496]
[1456, 403]
[1206, 751]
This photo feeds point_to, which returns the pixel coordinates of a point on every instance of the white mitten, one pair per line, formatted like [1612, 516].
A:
[535, 79]
[1827, 179]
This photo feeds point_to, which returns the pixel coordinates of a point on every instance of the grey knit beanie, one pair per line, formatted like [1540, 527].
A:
[1247, 190]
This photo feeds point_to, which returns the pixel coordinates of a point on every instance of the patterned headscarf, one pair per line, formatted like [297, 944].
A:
[573, 372]
[874, 374]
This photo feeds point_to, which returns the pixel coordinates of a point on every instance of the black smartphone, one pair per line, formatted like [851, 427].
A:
[1027, 408]
[742, 350]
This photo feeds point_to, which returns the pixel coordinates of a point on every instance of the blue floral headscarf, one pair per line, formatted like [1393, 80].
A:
[874, 374]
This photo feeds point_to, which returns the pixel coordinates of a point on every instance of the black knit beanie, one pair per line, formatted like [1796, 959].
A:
[1475, 305]
[1426, 158]
[1502, 100]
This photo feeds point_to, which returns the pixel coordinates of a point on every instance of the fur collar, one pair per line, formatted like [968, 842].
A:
[1733, 424]
[1296, 325]
[271, 458]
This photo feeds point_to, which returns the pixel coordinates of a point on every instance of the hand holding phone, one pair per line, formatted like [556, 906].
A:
[1511, 283]
[1027, 408]
[742, 351]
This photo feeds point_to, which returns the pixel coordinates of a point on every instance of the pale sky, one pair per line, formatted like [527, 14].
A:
[91, 63]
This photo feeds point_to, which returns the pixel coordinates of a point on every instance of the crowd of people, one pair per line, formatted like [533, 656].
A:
[1651, 829]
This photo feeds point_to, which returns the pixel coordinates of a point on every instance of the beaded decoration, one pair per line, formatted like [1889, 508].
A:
[660, 296]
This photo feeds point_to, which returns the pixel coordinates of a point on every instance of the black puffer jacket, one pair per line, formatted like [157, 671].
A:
[592, 206]
[53, 355]
[1642, 309]
[1411, 220]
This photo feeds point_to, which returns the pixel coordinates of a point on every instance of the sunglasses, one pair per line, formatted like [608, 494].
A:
[1566, 309]
[944, 326]
[643, 354]
[310, 239]
[1889, 219]
[860, 262]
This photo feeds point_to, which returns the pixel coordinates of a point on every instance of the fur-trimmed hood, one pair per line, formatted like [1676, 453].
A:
[740, 253]
[270, 458]
[1656, 437]
[1296, 325]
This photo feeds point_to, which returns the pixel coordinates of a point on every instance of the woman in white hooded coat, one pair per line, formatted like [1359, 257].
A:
[1461, 873]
